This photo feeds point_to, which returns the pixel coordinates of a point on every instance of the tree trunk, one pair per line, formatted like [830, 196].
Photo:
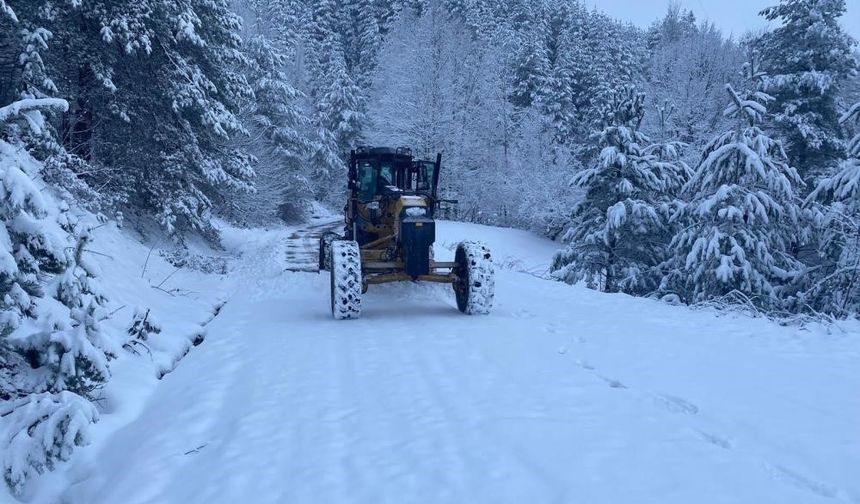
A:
[9, 71]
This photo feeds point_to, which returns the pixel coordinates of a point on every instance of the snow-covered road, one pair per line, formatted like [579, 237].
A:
[561, 395]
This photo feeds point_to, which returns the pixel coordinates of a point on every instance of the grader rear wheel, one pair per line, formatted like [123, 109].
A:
[346, 282]
[475, 284]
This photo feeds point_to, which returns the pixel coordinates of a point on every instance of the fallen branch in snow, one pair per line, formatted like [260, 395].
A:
[163, 290]
[168, 277]
[99, 253]
[146, 262]
[129, 346]
[111, 314]
[196, 450]
[739, 303]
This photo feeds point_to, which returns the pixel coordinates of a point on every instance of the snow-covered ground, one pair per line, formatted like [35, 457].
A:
[560, 395]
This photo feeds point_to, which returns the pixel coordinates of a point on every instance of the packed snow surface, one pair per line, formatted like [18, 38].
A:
[560, 395]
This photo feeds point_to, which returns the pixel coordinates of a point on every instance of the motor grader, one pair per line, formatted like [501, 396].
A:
[389, 233]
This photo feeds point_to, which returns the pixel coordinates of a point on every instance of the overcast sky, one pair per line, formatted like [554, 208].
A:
[733, 16]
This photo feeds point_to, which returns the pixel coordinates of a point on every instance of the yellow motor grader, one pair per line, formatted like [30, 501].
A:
[389, 233]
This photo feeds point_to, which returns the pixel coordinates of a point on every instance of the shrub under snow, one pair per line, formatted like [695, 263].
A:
[53, 355]
[40, 430]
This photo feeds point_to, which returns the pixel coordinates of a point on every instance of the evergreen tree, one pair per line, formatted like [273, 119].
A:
[53, 354]
[833, 286]
[528, 68]
[50, 303]
[610, 56]
[340, 119]
[555, 94]
[284, 18]
[688, 63]
[324, 45]
[613, 244]
[341, 108]
[281, 139]
[387, 12]
[738, 228]
[154, 101]
[666, 156]
[807, 60]
[361, 41]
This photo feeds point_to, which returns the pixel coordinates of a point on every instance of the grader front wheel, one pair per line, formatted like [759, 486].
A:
[475, 284]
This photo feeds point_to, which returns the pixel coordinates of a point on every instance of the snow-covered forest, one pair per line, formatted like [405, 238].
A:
[671, 162]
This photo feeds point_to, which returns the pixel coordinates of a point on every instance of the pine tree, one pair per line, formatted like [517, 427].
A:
[609, 56]
[284, 128]
[63, 343]
[154, 101]
[53, 354]
[342, 108]
[362, 40]
[738, 227]
[833, 286]
[284, 17]
[807, 60]
[340, 120]
[387, 12]
[555, 94]
[666, 156]
[324, 45]
[193, 74]
[25, 251]
[337, 101]
[280, 137]
[528, 58]
[613, 243]
[688, 65]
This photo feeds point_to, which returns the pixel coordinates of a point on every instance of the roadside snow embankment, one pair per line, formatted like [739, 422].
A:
[158, 306]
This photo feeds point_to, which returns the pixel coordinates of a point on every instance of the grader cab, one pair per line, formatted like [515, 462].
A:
[389, 234]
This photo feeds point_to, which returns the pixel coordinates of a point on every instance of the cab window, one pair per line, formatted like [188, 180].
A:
[425, 176]
[416, 180]
[367, 180]
[386, 175]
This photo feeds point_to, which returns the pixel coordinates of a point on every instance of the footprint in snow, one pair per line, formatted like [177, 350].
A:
[715, 440]
[800, 481]
[613, 383]
[676, 404]
[584, 365]
[523, 314]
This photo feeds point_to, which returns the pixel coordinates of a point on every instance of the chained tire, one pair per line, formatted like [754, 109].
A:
[346, 283]
[325, 250]
[474, 287]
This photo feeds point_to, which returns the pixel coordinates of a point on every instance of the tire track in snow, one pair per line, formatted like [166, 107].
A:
[454, 383]
[302, 246]
[435, 414]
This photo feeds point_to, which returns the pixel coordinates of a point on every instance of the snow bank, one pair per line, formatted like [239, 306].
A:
[135, 277]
